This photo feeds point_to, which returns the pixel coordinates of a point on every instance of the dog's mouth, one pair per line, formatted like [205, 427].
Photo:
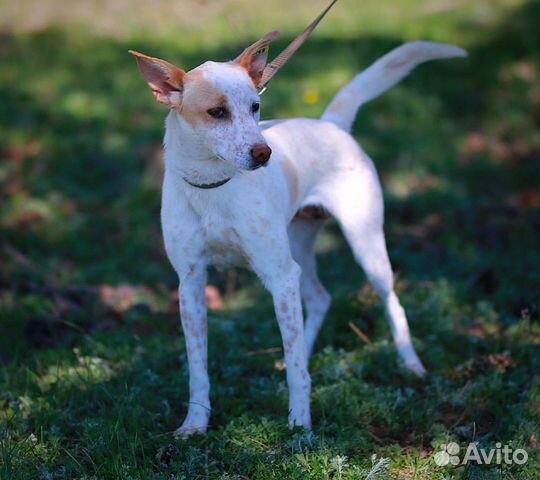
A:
[249, 168]
[257, 166]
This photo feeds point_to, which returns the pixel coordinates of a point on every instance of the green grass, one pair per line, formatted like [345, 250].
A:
[93, 377]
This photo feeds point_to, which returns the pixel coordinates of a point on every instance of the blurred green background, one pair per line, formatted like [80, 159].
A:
[92, 361]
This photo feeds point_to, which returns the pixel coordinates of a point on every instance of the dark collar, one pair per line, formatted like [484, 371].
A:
[207, 186]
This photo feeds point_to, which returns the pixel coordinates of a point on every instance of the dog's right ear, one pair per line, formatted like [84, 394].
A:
[164, 79]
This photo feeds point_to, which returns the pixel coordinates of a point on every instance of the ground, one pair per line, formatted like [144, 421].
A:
[93, 373]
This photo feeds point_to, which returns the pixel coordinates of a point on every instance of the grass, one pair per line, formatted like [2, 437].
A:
[92, 360]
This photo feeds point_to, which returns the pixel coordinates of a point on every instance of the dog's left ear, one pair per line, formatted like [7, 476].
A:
[164, 79]
[255, 57]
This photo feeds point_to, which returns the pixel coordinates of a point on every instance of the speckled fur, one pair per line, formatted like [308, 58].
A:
[251, 219]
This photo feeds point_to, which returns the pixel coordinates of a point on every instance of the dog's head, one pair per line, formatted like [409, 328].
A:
[218, 102]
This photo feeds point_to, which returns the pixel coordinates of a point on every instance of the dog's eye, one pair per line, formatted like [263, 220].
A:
[218, 112]
[255, 107]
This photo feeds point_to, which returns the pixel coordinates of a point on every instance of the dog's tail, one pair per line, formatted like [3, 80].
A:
[383, 74]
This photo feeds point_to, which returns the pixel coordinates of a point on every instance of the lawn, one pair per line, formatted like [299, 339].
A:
[93, 375]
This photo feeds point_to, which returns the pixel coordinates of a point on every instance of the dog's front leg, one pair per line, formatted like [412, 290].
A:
[286, 295]
[194, 323]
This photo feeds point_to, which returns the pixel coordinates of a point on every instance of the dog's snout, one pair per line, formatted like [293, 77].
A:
[260, 153]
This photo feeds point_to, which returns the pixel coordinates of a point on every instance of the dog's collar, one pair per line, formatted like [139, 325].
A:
[207, 186]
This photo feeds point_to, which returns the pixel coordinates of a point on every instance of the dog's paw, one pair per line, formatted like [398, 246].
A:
[187, 430]
[298, 424]
[411, 361]
[300, 418]
[195, 423]
[417, 368]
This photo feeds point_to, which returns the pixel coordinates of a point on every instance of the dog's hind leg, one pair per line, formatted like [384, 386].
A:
[355, 199]
[303, 232]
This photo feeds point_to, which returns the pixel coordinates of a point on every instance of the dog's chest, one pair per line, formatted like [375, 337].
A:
[223, 245]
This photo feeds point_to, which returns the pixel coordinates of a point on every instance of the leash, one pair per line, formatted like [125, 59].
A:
[273, 67]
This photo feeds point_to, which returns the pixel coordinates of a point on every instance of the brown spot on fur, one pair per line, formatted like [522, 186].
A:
[292, 178]
[199, 96]
[284, 307]
[312, 212]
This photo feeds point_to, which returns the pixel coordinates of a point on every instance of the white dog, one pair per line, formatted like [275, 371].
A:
[219, 207]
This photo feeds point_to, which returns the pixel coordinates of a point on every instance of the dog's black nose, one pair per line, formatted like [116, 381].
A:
[260, 153]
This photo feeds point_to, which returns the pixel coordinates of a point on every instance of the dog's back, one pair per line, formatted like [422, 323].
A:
[312, 153]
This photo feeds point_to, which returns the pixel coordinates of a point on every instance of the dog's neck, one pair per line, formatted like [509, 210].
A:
[187, 158]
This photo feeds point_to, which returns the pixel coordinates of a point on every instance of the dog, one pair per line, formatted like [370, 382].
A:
[220, 207]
